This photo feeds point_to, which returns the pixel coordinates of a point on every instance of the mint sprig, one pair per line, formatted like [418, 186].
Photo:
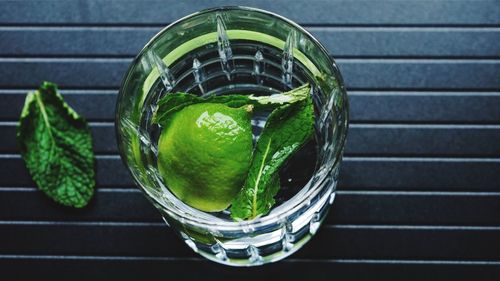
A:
[174, 102]
[287, 129]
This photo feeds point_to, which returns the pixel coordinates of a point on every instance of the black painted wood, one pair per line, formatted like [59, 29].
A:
[357, 173]
[358, 73]
[331, 242]
[425, 107]
[366, 106]
[134, 268]
[340, 41]
[337, 12]
[364, 139]
[429, 140]
[11, 103]
[420, 174]
[386, 207]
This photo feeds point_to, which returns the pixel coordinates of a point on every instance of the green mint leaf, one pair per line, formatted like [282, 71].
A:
[56, 146]
[287, 129]
[174, 102]
[170, 104]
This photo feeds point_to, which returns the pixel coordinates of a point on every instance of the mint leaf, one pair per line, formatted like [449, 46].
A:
[174, 102]
[287, 129]
[56, 146]
[170, 104]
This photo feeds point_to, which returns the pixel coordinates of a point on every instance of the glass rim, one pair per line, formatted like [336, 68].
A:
[313, 188]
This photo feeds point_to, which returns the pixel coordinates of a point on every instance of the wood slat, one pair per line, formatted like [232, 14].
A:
[341, 42]
[375, 106]
[440, 208]
[411, 208]
[103, 138]
[459, 12]
[84, 102]
[357, 173]
[427, 140]
[409, 42]
[134, 268]
[106, 41]
[420, 74]
[342, 241]
[417, 174]
[358, 73]
[77, 73]
[109, 172]
[434, 107]
[105, 206]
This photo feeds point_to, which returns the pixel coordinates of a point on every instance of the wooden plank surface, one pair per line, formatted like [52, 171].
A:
[332, 242]
[366, 106]
[364, 139]
[319, 12]
[354, 207]
[107, 73]
[133, 268]
[358, 173]
[379, 42]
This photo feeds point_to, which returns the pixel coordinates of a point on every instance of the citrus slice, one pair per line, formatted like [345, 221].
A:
[205, 153]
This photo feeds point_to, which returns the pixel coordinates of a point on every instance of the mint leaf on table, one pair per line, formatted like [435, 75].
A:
[56, 146]
[174, 102]
[287, 129]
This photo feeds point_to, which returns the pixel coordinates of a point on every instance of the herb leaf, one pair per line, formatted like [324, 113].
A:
[287, 129]
[174, 102]
[56, 146]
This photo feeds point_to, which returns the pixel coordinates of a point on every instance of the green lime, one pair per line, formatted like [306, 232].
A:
[205, 153]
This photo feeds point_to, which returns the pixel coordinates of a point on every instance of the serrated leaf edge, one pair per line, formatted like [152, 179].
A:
[33, 96]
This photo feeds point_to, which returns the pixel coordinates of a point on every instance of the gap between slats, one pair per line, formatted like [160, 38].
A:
[369, 92]
[406, 28]
[308, 26]
[361, 125]
[288, 260]
[135, 189]
[328, 226]
[345, 158]
[128, 59]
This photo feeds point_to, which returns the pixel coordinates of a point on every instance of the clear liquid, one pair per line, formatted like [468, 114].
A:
[255, 69]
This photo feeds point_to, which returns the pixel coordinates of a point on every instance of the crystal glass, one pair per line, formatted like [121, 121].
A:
[246, 51]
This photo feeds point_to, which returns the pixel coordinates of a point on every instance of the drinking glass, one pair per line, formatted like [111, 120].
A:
[245, 51]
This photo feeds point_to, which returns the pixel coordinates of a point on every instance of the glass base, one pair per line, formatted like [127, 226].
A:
[266, 245]
[277, 256]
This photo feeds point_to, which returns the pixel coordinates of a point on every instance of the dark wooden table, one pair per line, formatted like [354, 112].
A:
[419, 195]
